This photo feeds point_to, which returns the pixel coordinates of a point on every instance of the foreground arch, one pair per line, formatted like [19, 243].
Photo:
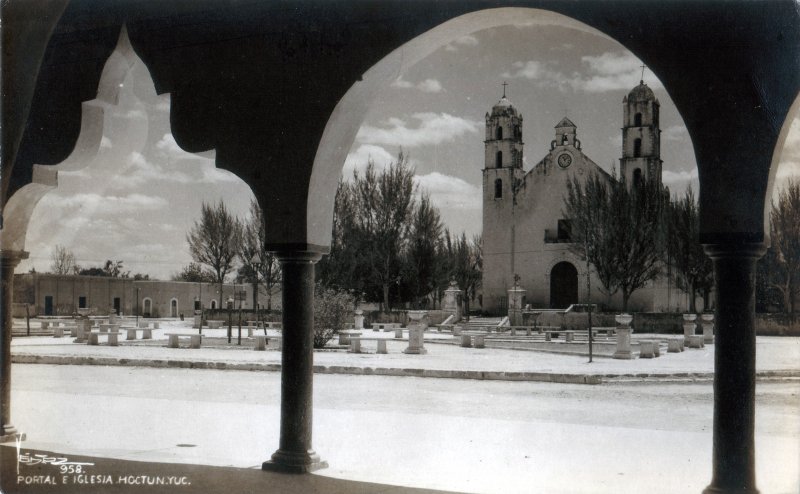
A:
[732, 69]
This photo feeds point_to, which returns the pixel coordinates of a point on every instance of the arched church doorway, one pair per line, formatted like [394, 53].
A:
[173, 308]
[563, 285]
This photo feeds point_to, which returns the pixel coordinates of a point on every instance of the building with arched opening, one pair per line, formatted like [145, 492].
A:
[525, 234]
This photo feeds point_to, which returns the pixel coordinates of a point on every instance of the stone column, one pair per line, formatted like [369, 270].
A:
[623, 337]
[8, 261]
[733, 458]
[358, 320]
[295, 454]
[515, 297]
[418, 322]
[452, 298]
[708, 327]
[689, 326]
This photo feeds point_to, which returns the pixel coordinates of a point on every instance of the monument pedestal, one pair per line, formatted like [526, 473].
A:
[418, 321]
[623, 337]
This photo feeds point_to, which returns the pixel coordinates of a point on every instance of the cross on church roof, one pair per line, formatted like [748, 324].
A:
[504, 88]
[641, 81]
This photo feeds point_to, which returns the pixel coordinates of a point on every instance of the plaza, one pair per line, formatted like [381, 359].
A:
[380, 427]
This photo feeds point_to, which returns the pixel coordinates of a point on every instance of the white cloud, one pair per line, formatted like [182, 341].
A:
[432, 128]
[139, 170]
[105, 143]
[533, 70]
[108, 204]
[679, 180]
[426, 86]
[468, 40]
[677, 133]
[610, 71]
[449, 192]
[359, 159]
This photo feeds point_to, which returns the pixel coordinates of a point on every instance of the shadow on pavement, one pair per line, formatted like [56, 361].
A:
[36, 471]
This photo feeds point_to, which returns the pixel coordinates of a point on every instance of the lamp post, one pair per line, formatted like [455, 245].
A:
[137, 307]
[255, 261]
[230, 308]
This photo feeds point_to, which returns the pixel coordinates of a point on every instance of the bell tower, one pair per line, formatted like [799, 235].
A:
[641, 136]
[502, 174]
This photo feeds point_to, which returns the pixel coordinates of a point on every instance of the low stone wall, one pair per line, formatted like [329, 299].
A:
[777, 325]
[658, 322]
[575, 320]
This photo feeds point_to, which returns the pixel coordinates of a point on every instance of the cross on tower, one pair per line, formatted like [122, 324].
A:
[504, 88]
[642, 79]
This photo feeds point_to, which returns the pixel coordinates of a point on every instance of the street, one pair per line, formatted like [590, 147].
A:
[468, 436]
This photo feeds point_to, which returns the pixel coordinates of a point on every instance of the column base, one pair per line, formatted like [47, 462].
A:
[416, 351]
[628, 355]
[10, 434]
[732, 490]
[290, 462]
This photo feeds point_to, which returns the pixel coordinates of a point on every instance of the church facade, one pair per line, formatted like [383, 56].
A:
[526, 237]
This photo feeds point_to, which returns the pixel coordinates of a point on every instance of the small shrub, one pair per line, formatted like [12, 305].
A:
[332, 309]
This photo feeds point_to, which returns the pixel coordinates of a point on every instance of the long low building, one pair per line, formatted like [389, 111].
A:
[54, 295]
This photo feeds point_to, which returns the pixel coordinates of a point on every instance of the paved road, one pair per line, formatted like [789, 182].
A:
[469, 436]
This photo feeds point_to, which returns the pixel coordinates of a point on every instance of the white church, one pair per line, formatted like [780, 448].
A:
[525, 234]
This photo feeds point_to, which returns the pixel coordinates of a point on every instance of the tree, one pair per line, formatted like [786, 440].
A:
[467, 267]
[424, 234]
[619, 228]
[214, 239]
[109, 269]
[332, 309]
[694, 268]
[63, 261]
[265, 267]
[195, 273]
[785, 233]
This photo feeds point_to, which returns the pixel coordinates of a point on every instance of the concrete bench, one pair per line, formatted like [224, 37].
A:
[147, 333]
[385, 326]
[695, 341]
[355, 344]
[478, 340]
[646, 349]
[194, 339]
[262, 341]
[105, 328]
[272, 324]
[94, 336]
[398, 333]
[344, 336]
[216, 324]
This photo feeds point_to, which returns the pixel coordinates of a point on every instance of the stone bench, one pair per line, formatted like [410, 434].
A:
[385, 326]
[675, 345]
[262, 340]
[646, 349]
[94, 336]
[216, 324]
[272, 324]
[478, 340]
[398, 333]
[147, 333]
[105, 328]
[194, 339]
[695, 341]
[355, 344]
[345, 335]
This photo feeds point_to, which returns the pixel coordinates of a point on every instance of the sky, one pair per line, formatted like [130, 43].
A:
[139, 196]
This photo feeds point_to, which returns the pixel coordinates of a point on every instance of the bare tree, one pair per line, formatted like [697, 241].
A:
[214, 240]
[694, 268]
[785, 233]
[63, 261]
[257, 265]
[619, 229]
[420, 261]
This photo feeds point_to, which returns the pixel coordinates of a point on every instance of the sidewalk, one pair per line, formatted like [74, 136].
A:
[776, 357]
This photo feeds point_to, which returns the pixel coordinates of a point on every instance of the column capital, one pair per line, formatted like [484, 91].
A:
[735, 250]
[11, 258]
